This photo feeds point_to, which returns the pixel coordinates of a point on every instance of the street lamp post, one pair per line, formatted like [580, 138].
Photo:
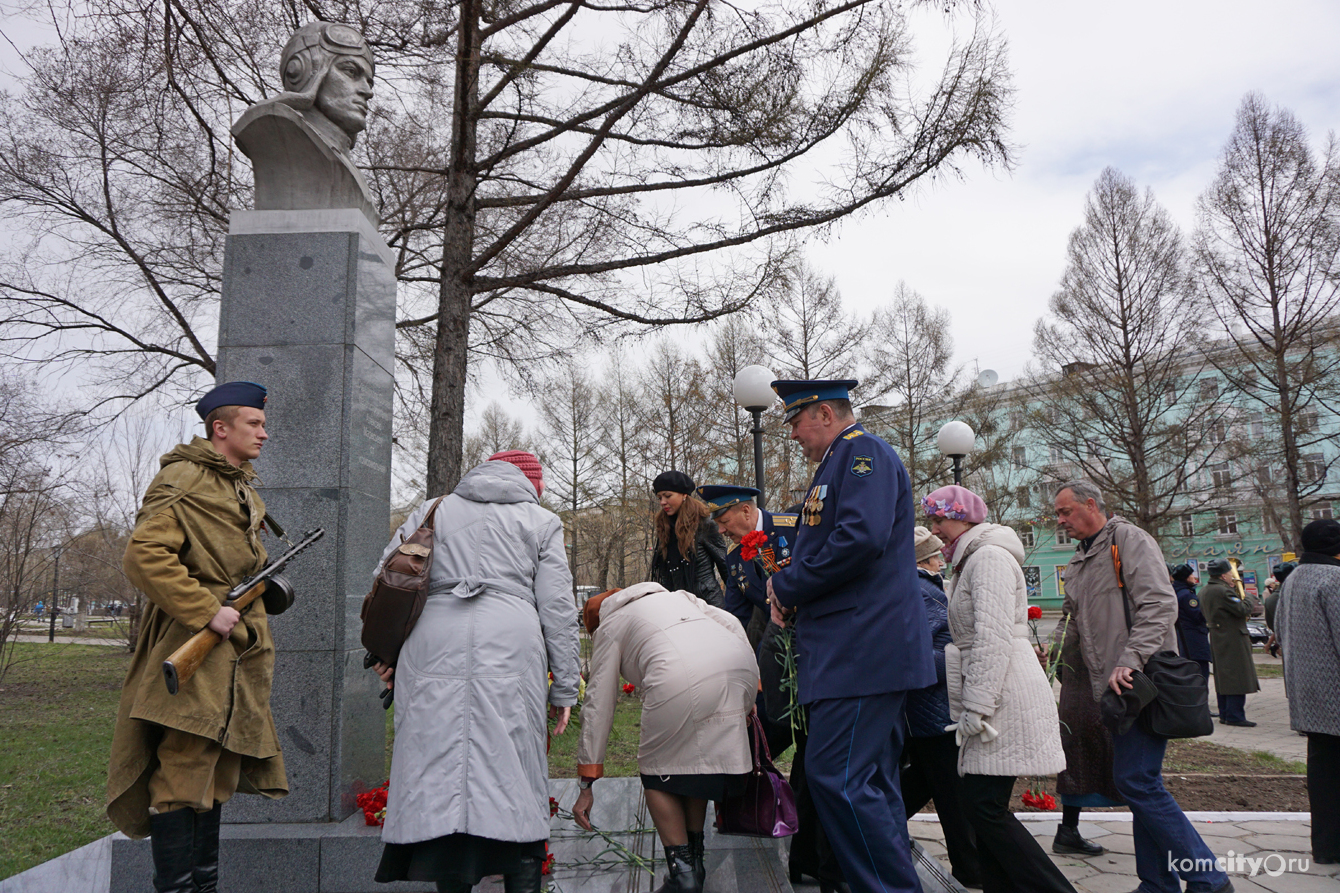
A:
[956, 440]
[753, 391]
[55, 588]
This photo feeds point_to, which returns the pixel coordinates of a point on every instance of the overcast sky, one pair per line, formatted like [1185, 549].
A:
[1148, 87]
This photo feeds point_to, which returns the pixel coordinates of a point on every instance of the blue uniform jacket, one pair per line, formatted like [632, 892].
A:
[745, 586]
[928, 708]
[861, 625]
[1193, 635]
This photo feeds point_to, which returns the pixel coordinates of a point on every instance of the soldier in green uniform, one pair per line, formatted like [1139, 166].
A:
[177, 758]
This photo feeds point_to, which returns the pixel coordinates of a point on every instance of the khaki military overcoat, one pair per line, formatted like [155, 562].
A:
[1226, 615]
[196, 536]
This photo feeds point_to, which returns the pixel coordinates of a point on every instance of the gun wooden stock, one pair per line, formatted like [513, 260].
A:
[183, 663]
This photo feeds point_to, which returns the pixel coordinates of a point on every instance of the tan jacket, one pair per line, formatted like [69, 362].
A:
[1092, 598]
[196, 536]
[695, 674]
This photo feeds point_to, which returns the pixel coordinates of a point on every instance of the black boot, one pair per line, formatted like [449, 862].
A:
[697, 852]
[453, 887]
[527, 879]
[681, 879]
[1068, 840]
[206, 872]
[173, 840]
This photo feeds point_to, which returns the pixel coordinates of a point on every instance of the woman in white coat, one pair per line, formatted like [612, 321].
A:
[999, 700]
[469, 793]
[697, 677]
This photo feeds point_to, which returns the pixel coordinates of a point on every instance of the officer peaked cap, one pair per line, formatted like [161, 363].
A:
[720, 497]
[797, 394]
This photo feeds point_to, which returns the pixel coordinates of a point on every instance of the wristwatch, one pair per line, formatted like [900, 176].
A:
[585, 783]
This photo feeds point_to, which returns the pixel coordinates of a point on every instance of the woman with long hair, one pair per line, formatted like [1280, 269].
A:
[690, 550]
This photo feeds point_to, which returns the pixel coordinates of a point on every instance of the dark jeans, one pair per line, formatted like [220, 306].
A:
[933, 775]
[1162, 832]
[1012, 860]
[1323, 781]
[1232, 708]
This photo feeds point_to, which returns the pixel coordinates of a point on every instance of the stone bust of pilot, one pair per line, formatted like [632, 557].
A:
[299, 141]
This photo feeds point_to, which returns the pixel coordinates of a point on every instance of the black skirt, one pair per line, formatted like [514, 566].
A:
[455, 858]
[716, 786]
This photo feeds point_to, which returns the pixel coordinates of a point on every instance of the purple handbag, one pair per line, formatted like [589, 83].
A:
[767, 808]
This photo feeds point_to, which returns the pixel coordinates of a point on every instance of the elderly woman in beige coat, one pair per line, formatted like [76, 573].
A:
[999, 699]
[697, 677]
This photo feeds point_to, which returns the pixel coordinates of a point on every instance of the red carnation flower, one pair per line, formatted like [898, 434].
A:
[547, 866]
[1034, 612]
[750, 543]
[628, 688]
[553, 807]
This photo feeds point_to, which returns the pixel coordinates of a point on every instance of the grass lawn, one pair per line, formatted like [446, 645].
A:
[57, 708]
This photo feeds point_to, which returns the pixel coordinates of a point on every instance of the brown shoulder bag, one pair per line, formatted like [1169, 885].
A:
[398, 594]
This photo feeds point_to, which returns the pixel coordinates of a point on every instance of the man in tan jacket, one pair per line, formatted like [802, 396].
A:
[177, 758]
[1118, 592]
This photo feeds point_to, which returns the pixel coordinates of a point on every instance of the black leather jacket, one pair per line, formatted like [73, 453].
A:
[696, 573]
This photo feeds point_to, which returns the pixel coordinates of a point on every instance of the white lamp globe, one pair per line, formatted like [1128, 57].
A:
[956, 439]
[753, 387]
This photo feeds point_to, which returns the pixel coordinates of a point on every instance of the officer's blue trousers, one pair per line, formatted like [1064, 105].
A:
[851, 764]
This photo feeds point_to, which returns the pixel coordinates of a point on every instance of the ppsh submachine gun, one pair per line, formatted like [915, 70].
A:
[265, 584]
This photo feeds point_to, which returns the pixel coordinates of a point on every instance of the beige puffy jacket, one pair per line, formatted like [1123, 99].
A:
[991, 667]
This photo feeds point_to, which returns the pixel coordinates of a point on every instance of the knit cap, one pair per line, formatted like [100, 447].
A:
[927, 543]
[529, 465]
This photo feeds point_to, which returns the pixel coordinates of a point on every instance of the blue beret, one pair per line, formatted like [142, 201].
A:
[723, 496]
[234, 393]
[796, 395]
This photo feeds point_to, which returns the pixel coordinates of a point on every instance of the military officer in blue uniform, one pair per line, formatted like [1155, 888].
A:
[861, 626]
[736, 511]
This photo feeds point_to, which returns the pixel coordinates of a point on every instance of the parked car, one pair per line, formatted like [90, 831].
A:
[1258, 632]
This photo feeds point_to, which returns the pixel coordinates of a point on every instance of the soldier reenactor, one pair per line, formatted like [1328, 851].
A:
[177, 758]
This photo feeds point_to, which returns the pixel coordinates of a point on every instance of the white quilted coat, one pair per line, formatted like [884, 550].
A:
[991, 667]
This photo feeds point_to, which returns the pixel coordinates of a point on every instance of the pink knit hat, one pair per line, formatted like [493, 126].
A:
[529, 465]
[954, 502]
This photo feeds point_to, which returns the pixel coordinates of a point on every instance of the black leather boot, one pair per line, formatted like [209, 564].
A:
[173, 840]
[1068, 840]
[206, 871]
[697, 853]
[681, 879]
[527, 880]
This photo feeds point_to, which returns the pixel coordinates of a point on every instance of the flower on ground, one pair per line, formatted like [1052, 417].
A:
[628, 688]
[1034, 612]
[750, 543]
[373, 804]
[1037, 799]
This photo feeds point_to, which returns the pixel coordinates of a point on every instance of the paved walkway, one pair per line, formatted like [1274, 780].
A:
[70, 640]
[1269, 709]
[1282, 845]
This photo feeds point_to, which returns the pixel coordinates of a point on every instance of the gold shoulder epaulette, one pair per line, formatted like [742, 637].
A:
[784, 520]
[732, 547]
[853, 435]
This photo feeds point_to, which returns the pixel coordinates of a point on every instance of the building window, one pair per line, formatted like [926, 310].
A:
[1221, 475]
[1057, 454]
[1062, 538]
[1016, 419]
[1228, 522]
[1188, 526]
[1313, 469]
[1170, 391]
[1305, 422]
[1020, 457]
[1219, 431]
[1026, 537]
[1322, 512]
[1258, 423]
[1208, 389]
[1023, 497]
[1264, 474]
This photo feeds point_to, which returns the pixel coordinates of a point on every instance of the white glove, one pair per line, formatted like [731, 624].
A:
[972, 724]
